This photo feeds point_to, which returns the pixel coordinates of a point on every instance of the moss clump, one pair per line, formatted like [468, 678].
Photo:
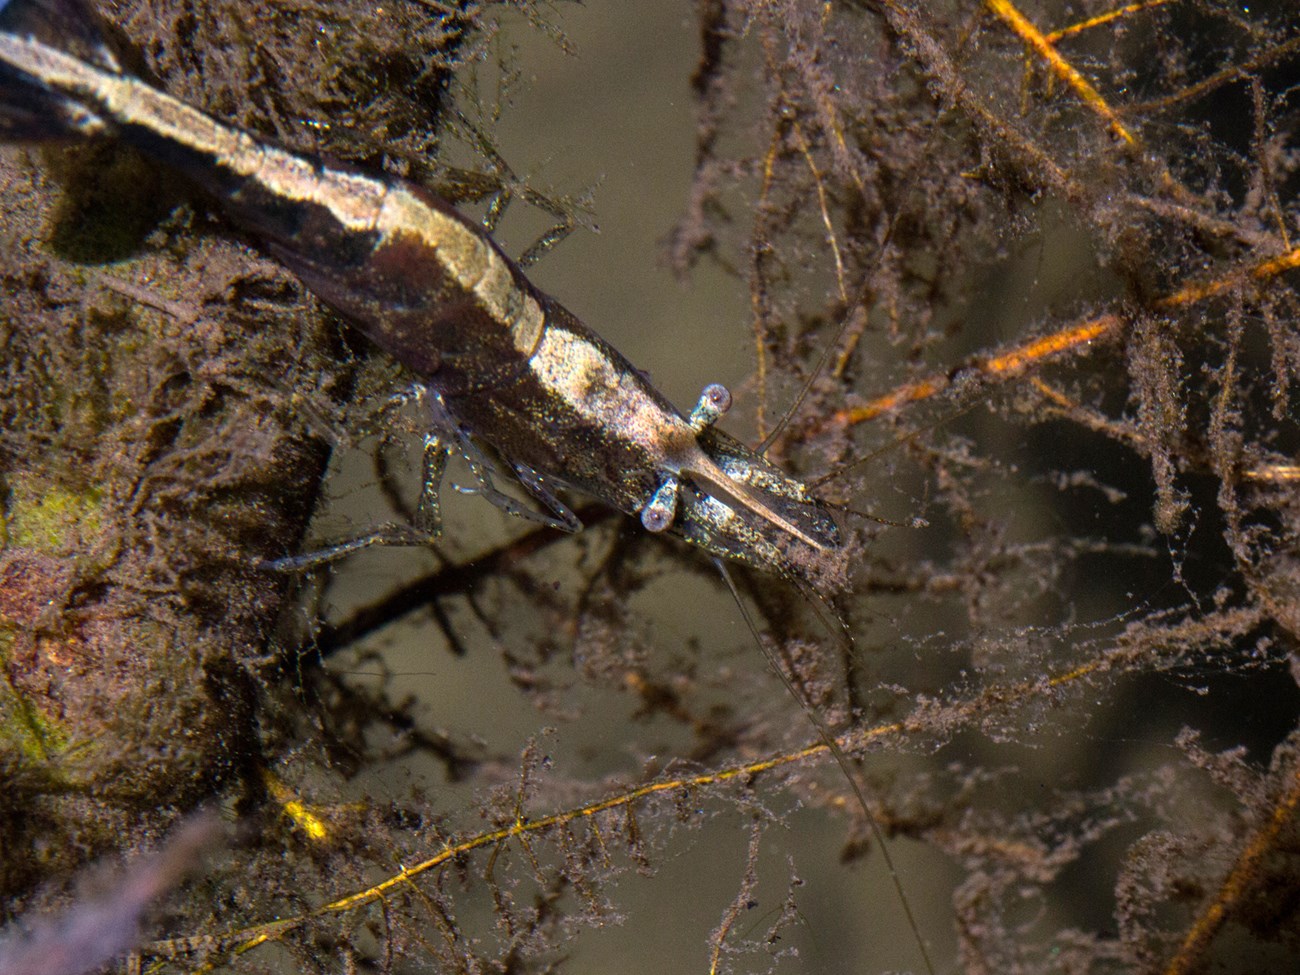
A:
[48, 517]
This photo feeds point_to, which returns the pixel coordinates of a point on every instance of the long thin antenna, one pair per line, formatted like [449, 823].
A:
[894, 444]
[859, 302]
[813, 376]
[833, 746]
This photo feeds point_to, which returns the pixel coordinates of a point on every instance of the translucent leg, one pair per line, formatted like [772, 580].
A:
[536, 486]
[428, 512]
[425, 530]
[562, 518]
[445, 436]
[392, 533]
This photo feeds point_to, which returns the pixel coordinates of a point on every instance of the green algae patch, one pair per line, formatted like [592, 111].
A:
[51, 518]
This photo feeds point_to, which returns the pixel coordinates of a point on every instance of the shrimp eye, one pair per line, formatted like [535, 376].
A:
[714, 401]
[658, 514]
[655, 519]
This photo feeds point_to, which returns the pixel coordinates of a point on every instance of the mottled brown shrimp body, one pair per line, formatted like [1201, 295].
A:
[502, 363]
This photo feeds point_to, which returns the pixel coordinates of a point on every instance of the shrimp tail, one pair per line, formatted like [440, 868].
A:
[34, 105]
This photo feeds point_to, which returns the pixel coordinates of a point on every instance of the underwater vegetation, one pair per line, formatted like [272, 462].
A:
[1025, 273]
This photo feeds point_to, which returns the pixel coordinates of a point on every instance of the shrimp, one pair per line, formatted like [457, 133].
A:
[499, 362]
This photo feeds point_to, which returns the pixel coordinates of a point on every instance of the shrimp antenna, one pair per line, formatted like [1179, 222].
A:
[842, 760]
[813, 376]
[914, 522]
[909, 437]
[860, 301]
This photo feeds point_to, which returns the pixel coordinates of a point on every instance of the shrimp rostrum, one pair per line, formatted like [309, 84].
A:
[498, 362]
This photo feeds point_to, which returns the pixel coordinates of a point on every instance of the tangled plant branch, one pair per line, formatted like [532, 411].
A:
[1026, 271]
